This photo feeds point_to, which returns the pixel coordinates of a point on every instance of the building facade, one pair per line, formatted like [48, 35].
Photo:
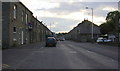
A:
[83, 32]
[19, 26]
[0, 24]
[119, 21]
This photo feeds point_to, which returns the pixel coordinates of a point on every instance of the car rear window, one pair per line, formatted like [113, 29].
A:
[50, 39]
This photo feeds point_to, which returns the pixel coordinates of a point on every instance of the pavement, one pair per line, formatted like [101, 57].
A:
[0, 59]
[67, 55]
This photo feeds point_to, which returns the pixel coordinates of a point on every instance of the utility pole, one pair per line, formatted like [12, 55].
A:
[92, 23]
[50, 26]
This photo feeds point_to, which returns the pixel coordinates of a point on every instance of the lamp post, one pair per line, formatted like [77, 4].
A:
[92, 22]
[50, 26]
[119, 25]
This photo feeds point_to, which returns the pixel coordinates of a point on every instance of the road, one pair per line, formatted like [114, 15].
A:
[67, 55]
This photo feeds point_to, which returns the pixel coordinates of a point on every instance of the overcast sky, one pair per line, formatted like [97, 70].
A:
[63, 15]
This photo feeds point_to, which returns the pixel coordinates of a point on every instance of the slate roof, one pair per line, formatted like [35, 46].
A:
[86, 27]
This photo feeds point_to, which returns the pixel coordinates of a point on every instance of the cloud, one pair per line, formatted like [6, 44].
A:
[59, 23]
[99, 20]
[100, 0]
[39, 4]
[99, 16]
[109, 9]
[71, 16]
[68, 14]
[71, 1]
[65, 7]
[98, 7]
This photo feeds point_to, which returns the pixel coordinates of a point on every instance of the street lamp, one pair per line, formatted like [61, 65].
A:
[92, 21]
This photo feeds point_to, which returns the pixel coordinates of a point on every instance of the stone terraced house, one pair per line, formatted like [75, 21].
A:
[19, 26]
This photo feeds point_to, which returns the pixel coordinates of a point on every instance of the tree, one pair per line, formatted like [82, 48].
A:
[111, 24]
[113, 20]
[105, 28]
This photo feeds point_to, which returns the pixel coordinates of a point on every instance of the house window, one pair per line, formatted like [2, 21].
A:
[26, 18]
[14, 29]
[15, 12]
[22, 15]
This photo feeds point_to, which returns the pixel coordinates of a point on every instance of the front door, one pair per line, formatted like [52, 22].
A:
[22, 38]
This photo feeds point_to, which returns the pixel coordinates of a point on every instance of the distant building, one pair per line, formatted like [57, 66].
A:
[83, 31]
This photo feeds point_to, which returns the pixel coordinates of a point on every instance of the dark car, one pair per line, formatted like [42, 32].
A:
[51, 41]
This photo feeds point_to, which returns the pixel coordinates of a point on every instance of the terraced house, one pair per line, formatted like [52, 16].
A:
[0, 24]
[82, 32]
[19, 26]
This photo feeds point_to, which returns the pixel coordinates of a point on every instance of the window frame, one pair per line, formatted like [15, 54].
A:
[15, 11]
[22, 14]
[26, 18]
[14, 29]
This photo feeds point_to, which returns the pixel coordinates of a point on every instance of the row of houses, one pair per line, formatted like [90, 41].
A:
[19, 26]
[0, 25]
[83, 32]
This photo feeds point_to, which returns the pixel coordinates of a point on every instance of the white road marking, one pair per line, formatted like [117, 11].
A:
[88, 51]
[73, 52]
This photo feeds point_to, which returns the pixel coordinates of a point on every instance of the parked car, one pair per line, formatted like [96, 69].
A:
[57, 39]
[62, 39]
[107, 40]
[51, 41]
[101, 39]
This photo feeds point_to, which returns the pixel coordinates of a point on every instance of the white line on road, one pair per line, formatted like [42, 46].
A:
[73, 52]
[113, 60]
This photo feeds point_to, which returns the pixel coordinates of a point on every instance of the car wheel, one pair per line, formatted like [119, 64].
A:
[54, 45]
